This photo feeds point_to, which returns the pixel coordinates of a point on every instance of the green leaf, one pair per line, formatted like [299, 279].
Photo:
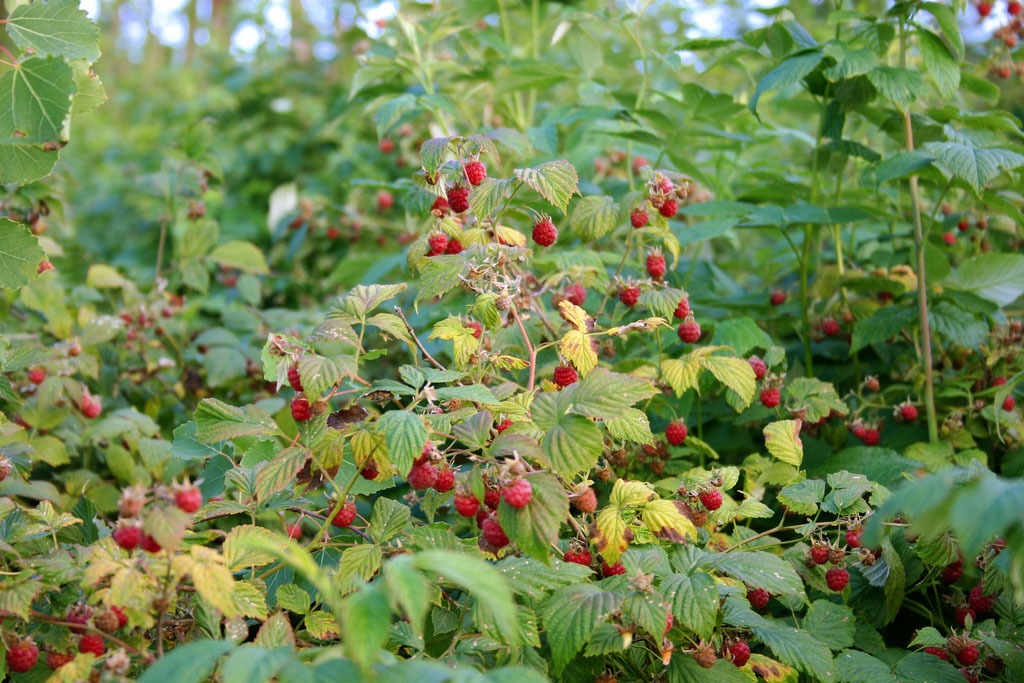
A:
[899, 86]
[245, 256]
[895, 582]
[594, 217]
[921, 667]
[20, 254]
[292, 598]
[853, 666]
[167, 525]
[489, 196]
[803, 497]
[440, 274]
[945, 17]
[884, 324]
[35, 99]
[975, 165]
[648, 610]
[849, 62]
[56, 27]
[734, 373]
[534, 527]
[685, 669]
[830, 623]
[387, 519]
[999, 278]
[898, 165]
[464, 344]
[790, 71]
[277, 474]
[573, 445]
[90, 93]
[189, 663]
[632, 425]
[218, 421]
[318, 374]
[405, 434]
[760, 569]
[782, 439]
[605, 394]
[22, 164]
[364, 627]
[694, 600]
[941, 65]
[556, 181]
[571, 616]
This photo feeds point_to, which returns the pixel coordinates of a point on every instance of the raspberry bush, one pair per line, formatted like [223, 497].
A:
[581, 359]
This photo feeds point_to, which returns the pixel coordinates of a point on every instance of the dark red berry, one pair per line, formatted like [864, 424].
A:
[949, 238]
[668, 208]
[386, 146]
[518, 494]
[837, 578]
[545, 233]
[293, 378]
[440, 206]
[92, 643]
[581, 556]
[78, 614]
[22, 656]
[491, 498]
[467, 506]
[122, 618]
[711, 499]
[188, 499]
[968, 656]
[758, 597]
[656, 267]
[984, 8]
[853, 537]
[445, 480]
[369, 470]
[438, 244]
[908, 413]
[576, 294]
[819, 553]
[1009, 404]
[675, 432]
[384, 200]
[503, 425]
[294, 531]
[454, 246]
[346, 515]
[493, 533]
[565, 375]
[475, 326]
[979, 601]
[36, 375]
[871, 437]
[476, 172]
[149, 543]
[689, 330]
[301, 410]
[953, 571]
[458, 199]
[629, 295]
[770, 397]
[740, 652]
[830, 327]
[778, 297]
[938, 652]
[127, 535]
[638, 218]
[963, 612]
[422, 476]
[612, 569]
[682, 309]
[758, 366]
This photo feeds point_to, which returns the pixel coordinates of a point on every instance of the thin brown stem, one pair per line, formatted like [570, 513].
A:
[39, 616]
[529, 348]
[412, 333]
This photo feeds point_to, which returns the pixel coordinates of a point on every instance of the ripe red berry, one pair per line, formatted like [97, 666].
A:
[386, 146]
[445, 480]
[968, 656]
[758, 366]
[963, 612]
[980, 602]
[333, 233]
[476, 172]
[998, 381]
[629, 296]
[346, 515]
[36, 375]
[938, 652]
[1009, 404]
[91, 407]
[188, 499]
[675, 432]
[127, 535]
[778, 297]
[294, 531]
[467, 506]
[454, 247]
[56, 660]
[669, 208]
[565, 375]
[384, 200]
[581, 556]
[458, 199]
[503, 425]
[682, 309]
[656, 267]
[819, 553]
[301, 410]
[871, 437]
[576, 294]
[740, 652]
[612, 569]
[771, 398]
[949, 238]
[475, 326]
[92, 643]
[293, 378]
[491, 498]
[22, 656]
[984, 8]
[438, 244]
[493, 533]
[544, 232]
[908, 413]
[837, 578]
[440, 206]
[586, 502]
[1013, 7]
[952, 573]
[711, 499]
[963, 225]
[853, 537]
[149, 543]
[422, 476]
[518, 494]
[689, 330]
[369, 470]
[638, 218]
[830, 327]
[758, 597]
[122, 618]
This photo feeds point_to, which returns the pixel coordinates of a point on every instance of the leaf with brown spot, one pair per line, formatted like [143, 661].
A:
[350, 414]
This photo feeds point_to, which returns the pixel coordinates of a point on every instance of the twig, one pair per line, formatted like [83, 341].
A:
[529, 348]
[39, 616]
[412, 333]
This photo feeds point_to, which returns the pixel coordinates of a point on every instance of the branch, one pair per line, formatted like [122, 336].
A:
[412, 333]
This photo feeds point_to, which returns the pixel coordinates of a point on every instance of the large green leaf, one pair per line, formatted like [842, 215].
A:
[790, 71]
[605, 394]
[971, 163]
[56, 27]
[899, 86]
[573, 445]
[35, 99]
[760, 569]
[189, 663]
[556, 181]
[830, 623]
[218, 421]
[405, 434]
[996, 277]
[694, 601]
[534, 527]
[364, 627]
[20, 254]
[941, 65]
[571, 616]
[277, 474]
[594, 217]
[23, 164]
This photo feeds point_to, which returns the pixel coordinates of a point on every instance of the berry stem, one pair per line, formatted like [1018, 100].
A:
[419, 345]
[529, 348]
[618, 271]
[45, 618]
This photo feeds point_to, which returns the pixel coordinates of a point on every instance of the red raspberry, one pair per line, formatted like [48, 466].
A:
[428, 448]
[853, 537]
[22, 656]
[122, 618]
[458, 199]
[149, 543]
[758, 597]
[369, 470]
[386, 146]
[476, 172]
[78, 614]
[963, 225]
[481, 515]
[106, 621]
[127, 535]
[576, 294]
[92, 643]
[1013, 7]
[477, 328]
[778, 297]
[518, 494]
[668, 208]
[612, 569]
[984, 8]
[44, 266]
[440, 206]
[445, 480]
[565, 375]
[422, 476]
[1009, 404]
[819, 553]
[491, 498]
[770, 398]
[56, 660]
[545, 233]
[639, 218]
[938, 652]
[301, 410]
[294, 531]
[332, 234]
[740, 652]
[963, 612]
[293, 378]
[656, 267]
[689, 330]
[949, 238]
[467, 506]
[968, 676]
[188, 499]
[998, 381]
[871, 437]
[968, 656]
[837, 578]
[384, 200]
[36, 375]
[493, 533]
[581, 556]
[629, 296]
[454, 246]
[586, 502]
[979, 601]
[503, 425]
[438, 243]
[758, 366]
[953, 571]
[90, 406]
[682, 309]
[830, 327]
[908, 413]
[675, 432]
[346, 515]
[638, 163]
[711, 499]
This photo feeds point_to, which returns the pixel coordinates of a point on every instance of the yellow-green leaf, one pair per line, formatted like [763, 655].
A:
[783, 441]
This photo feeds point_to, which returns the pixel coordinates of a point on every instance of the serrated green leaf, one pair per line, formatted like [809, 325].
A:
[35, 99]
[594, 217]
[789, 72]
[20, 254]
[56, 27]
[556, 181]
[405, 435]
[782, 439]
[571, 616]
[218, 421]
[534, 527]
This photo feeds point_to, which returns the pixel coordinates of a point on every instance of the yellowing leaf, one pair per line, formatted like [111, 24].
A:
[465, 344]
[682, 374]
[665, 519]
[783, 441]
[576, 316]
[609, 535]
[627, 492]
[734, 373]
[507, 235]
[210, 577]
[577, 349]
